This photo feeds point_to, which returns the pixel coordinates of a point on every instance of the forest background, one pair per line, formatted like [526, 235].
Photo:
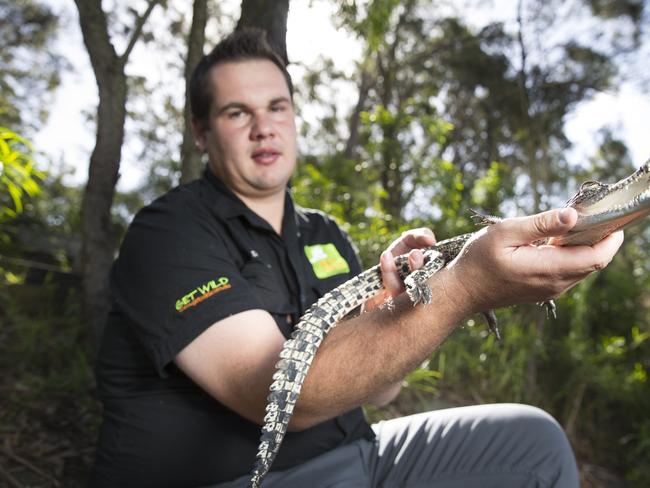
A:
[438, 113]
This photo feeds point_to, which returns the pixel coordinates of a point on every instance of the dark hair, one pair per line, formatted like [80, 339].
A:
[244, 44]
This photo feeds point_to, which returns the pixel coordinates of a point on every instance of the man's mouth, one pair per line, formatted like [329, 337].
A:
[265, 155]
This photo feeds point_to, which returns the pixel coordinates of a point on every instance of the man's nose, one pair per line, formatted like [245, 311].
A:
[262, 126]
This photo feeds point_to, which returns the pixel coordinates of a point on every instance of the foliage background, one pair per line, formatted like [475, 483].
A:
[446, 116]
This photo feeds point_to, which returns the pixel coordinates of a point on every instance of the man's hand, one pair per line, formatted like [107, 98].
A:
[410, 242]
[500, 266]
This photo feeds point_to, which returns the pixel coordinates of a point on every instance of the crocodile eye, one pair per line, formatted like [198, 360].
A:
[587, 190]
[591, 186]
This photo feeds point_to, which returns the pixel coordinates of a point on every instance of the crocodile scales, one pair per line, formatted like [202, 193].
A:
[601, 208]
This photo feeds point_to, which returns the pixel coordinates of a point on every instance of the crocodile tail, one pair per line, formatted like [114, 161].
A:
[296, 357]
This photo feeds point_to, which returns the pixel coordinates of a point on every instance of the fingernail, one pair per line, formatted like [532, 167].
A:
[565, 215]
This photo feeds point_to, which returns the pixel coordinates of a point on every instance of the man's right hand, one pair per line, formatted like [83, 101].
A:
[501, 266]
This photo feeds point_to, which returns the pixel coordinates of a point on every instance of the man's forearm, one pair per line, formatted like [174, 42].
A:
[385, 397]
[368, 354]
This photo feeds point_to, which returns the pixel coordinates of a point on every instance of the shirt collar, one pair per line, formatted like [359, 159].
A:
[233, 207]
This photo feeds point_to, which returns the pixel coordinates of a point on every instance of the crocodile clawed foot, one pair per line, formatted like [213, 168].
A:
[550, 307]
[491, 319]
[412, 290]
[418, 289]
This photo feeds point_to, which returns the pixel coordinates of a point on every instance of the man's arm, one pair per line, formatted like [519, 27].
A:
[364, 356]
[234, 359]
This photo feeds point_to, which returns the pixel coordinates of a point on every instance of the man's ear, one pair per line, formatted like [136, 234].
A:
[199, 134]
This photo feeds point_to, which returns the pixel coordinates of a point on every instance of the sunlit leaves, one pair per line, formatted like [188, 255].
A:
[490, 190]
[369, 19]
[638, 337]
[639, 375]
[18, 174]
[424, 379]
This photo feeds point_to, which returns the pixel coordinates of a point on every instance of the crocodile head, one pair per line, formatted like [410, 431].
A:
[603, 209]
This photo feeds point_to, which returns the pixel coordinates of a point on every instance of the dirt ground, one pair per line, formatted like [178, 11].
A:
[45, 444]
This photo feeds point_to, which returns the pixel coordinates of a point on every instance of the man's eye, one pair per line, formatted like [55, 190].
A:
[278, 108]
[235, 114]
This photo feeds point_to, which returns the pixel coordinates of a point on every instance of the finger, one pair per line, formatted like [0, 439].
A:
[375, 302]
[387, 268]
[606, 249]
[596, 257]
[610, 244]
[412, 239]
[524, 230]
[573, 261]
[389, 275]
[416, 259]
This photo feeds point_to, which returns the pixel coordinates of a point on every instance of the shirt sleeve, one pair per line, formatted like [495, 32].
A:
[175, 277]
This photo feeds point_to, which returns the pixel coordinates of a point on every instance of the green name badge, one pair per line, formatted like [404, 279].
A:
[326, 260]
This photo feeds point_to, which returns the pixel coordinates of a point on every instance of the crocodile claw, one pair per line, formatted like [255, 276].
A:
[550, 307]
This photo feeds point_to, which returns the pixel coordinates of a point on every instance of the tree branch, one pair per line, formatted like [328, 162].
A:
[352, 143]
[139, 24]
[94, 28]
[190, 157]
[269, 16]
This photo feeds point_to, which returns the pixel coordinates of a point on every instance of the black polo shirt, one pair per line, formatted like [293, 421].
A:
[190, 259]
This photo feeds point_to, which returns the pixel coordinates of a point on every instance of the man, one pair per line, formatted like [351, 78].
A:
[212, 277]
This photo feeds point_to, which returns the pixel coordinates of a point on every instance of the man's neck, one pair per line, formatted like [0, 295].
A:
[270, 208]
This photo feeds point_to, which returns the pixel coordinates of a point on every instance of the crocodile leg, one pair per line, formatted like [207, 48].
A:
[491, 319]
[417, 286]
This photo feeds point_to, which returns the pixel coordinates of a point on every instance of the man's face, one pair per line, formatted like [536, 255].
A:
[251, 134]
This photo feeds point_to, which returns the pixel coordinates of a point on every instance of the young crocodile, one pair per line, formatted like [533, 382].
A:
[601, 208]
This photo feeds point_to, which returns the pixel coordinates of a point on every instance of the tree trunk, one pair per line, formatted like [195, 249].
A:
[391, 176]
[271, 16]
[191, 165]
[352, 144]
[530, 143]
[98, 238]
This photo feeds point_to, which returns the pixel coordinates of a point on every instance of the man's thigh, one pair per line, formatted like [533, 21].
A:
[483, 446]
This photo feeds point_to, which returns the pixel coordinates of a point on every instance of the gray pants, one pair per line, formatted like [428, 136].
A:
[499, 446]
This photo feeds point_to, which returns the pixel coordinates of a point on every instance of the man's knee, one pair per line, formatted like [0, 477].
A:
[477, 443]
[543, 441]
[540, 425]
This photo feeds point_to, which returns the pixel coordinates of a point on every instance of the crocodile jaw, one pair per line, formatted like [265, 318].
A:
[603, 209]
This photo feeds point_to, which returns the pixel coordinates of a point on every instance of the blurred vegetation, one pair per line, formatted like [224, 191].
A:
[449, 116]
[49, 416]
[29, 69]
